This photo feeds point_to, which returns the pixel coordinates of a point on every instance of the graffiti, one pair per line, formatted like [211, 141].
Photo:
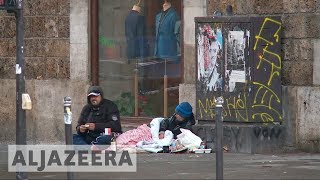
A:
[270, 57]
[236, 137]
[264, 102]
[267, 132]
[233, 138]
[206, 134]
[207, 107]
[276, 35]
[238, 71]
[268, 38]
[9, 3]
[273, 94]
[235, 107]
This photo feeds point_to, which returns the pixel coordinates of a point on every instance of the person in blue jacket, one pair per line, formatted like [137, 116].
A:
[166, 41]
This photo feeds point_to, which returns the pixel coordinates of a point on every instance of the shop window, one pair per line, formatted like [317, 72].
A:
[140, 55]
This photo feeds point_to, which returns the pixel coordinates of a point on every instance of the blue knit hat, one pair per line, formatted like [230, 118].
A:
[184, 109]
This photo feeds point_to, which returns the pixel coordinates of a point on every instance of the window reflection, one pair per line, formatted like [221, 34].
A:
[140, 44]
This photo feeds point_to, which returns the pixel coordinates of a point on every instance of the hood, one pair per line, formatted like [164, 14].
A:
[94, 89]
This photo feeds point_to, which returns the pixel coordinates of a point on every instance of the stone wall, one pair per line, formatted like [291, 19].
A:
[56, 65]
[46, 40]
[45, 123]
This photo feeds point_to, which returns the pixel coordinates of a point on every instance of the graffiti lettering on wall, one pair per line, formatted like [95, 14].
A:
[267, 132]
[266, 102]
[235, 137]
[267, 47]
[234, 107]
[268, 56]
[228, 65]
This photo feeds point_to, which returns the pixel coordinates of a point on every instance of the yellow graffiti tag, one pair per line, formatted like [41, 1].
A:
[262, 57]
[266, 118]
[236, 105]
[207, 108]
[276, 35]
[266, 101]
[233, 104]
[267, 89]
[275, 62]
[275, 69]
[270, 108]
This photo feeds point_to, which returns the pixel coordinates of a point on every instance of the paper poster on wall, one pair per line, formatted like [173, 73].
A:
[209, 54]
[239, 59]
[235, 72]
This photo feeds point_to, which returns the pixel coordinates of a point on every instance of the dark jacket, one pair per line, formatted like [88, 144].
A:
[105, 115]
[134, 31]
[174, 126]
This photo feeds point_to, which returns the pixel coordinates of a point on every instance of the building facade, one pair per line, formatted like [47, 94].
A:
[70, 45]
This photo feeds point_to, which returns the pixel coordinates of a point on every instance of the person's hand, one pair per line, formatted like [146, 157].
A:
[91, 126]
[83, 128]
[161, 135]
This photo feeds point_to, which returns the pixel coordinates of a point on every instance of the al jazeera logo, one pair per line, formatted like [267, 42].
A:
[72, 158]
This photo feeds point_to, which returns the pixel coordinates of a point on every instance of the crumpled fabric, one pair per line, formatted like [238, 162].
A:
[132, 137]
[149, 146]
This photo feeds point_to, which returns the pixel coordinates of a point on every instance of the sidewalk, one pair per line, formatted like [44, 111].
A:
[201, 166]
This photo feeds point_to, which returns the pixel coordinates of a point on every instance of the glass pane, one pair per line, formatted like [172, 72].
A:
[139, 43]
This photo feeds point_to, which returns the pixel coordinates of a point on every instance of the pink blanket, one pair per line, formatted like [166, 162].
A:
[132, 137]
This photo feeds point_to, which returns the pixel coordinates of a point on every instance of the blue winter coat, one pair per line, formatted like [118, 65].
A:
[166, 42]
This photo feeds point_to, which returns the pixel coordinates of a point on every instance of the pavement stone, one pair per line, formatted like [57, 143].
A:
[199, 166]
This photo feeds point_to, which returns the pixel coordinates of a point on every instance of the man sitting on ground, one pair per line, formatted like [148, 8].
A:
[96, 115]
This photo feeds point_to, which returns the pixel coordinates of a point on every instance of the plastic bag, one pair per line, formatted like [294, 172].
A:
[188, 139]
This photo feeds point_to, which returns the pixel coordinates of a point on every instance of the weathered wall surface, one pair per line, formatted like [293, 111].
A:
[192, 8]
[45, 123]
[308, 123]
[56, 65]
[245, 139]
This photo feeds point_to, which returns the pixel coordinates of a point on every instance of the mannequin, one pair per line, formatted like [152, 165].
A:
[166, 5]
[166, 42]
[134, 31]
[137, 8]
